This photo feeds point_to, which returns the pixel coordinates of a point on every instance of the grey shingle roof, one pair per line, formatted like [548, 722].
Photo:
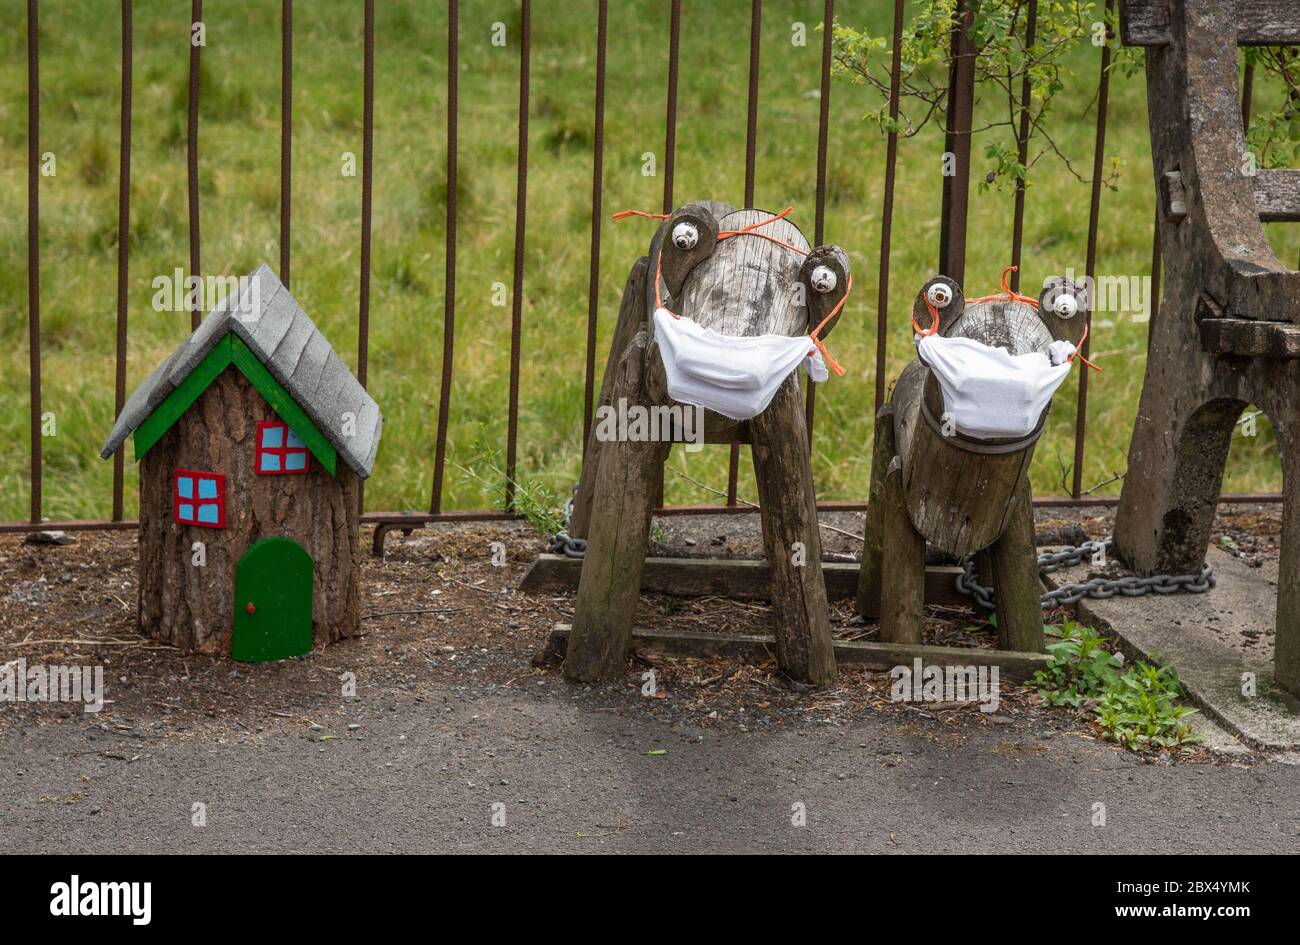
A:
[269, 320]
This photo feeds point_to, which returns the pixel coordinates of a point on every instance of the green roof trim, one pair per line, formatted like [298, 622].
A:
[232, 350]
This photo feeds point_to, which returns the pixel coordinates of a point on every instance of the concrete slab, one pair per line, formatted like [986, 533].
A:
[1213, 640]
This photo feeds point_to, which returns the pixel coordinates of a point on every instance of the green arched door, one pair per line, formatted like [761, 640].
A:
[272, 602]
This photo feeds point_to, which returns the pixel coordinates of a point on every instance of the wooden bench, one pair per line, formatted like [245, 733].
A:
[1228, 330]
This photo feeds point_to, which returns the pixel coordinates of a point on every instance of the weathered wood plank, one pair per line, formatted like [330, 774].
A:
[902, 570]
[616, 546]
[873, 538]
[755, 648]
[792, 537]
[1277, 194]
[736, 578]
[1013, 560]
[1251, 338]
[1258, 22]
[631, 317]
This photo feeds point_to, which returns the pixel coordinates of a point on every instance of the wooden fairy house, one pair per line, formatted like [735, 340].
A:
[253, 438]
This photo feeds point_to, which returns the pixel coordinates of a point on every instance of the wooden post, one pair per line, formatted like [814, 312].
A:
[869, 578]
[631, 316]
[792, 538]
[1014, 562]
[902, 578]
[616, 544]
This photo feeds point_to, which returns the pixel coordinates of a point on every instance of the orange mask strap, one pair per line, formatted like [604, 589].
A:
[821, 345]
[1007, 294]
[934, 321]
[1078, 351]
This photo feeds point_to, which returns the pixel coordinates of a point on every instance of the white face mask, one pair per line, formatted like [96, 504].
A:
[736, 376]
[990, 392]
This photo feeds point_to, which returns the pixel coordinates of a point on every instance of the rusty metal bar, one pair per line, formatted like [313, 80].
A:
[751, 140]
[961, 105]
[1094, 215]
[1026, 89]
[367, 181]
[887, 212]
[123, 250]
[286, 134]
[34, 247]
[597, 187]
[819, 220]
[521, 213]
[449, 279]
[670, 119]
[192, 154]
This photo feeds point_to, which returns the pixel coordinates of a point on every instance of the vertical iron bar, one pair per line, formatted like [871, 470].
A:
[1018, 224]
[123, 249]
[597, 185]
[33, 247]
[521, 212]
[887, 212]
[192, 154]
[1094, 212]
[449, 281]
[367, 181]
[751, 137]
[961, 103]
[367, 185]
[670, 120]
[819, 222]
[286, 134]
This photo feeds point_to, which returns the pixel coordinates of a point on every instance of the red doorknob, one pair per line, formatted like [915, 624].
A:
[250, 608]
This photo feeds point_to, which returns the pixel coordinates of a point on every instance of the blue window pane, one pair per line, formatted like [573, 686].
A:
[294, 441]
[272, 437]
[207, 488]
[186, 512]
[185, 487]
[270, 462]
[295, 461]
[208, 514]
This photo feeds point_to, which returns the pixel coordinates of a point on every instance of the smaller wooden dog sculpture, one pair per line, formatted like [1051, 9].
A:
[964, 494]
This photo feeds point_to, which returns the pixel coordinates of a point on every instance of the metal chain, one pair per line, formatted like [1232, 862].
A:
[968, 584]
[561, 542]
[1096, 588]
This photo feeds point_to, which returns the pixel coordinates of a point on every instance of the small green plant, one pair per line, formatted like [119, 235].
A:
[1135, 707]
[538, 503]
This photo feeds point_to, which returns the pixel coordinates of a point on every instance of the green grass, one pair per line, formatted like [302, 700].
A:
[240, 183]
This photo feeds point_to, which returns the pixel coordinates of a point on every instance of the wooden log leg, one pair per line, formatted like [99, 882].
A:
[610, 585]
[631, 313]
[1014, 562]
[792, 538]
[872, 544]
[902, 570]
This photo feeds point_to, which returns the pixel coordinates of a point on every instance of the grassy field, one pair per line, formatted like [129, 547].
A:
[240, 186]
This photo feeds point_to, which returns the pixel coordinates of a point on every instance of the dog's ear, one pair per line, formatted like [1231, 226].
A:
[946, 296]
[1064, 306]
[825, 277]
[685, 240]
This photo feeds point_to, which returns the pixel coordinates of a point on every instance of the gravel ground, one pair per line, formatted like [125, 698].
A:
[450, 718]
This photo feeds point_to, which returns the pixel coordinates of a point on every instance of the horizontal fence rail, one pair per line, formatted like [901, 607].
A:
[951, 256]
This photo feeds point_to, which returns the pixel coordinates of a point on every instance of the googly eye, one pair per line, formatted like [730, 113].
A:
[685, 236]
[824, 279]
[1066, 306]
[939, 295]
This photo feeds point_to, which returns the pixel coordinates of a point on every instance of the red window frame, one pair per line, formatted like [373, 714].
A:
[194, 501]
[283, 451]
